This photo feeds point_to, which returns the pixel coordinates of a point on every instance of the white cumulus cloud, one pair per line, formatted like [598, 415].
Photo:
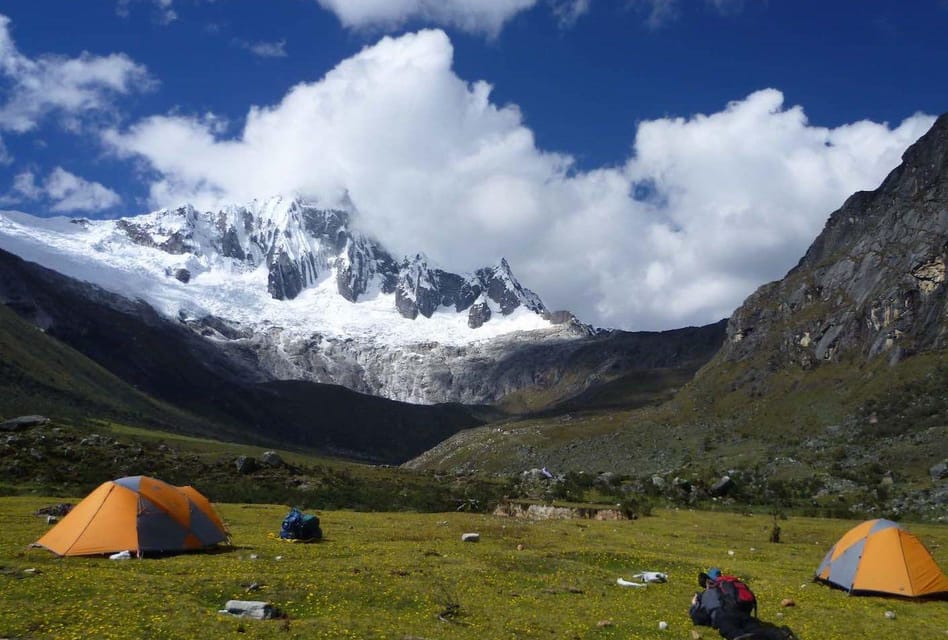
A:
[24, 187]
[478, 16]
[55, 85]
[64, 191]
[261, 49]
[740, 194]
[706, 208]
[69, 192]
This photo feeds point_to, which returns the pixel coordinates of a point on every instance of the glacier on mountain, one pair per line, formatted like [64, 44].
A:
[314, 298]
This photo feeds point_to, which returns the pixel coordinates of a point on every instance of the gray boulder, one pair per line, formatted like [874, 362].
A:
[23, 422]
[939, 471]
[246, 464]
[256, 609]
[722, 486]
[271, 459]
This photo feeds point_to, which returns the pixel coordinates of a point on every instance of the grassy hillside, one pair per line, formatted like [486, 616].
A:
[869, 405]
[72, 459]
[868, 433]
[44, 376]
[629, 391]
[391, 576]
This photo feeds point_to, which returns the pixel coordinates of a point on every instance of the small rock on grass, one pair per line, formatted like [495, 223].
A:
[602, 624]
[470, 537]
[788, 602]
[890, 615]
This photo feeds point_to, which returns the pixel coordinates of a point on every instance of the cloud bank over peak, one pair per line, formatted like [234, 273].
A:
[705, 209]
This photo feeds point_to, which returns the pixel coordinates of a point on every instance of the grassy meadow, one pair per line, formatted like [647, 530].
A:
[408, 575]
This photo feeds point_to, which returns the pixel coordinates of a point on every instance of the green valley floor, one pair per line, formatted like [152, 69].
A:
[408, 575]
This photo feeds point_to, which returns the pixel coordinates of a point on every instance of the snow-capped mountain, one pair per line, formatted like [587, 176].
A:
[312, 297]
[278, 249]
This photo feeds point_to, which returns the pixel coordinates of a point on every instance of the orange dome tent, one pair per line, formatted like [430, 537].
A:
[138, 514]
[880, 556]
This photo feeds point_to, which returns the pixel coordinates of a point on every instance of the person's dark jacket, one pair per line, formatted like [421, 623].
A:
[707, 609]
[732, 622]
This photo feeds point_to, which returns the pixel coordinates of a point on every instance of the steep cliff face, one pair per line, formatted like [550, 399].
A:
[871, 285]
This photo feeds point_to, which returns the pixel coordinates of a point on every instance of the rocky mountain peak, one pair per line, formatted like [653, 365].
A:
[503, 288]
[922, 173]
[422, 289]
[872, 283]
[301, 243]
[923, 167]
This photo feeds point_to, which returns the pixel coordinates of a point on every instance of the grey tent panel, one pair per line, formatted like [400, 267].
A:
[204, 528]
[826, 561]
[843, 571]
[882, 525]
[130, 482]
[157, 531]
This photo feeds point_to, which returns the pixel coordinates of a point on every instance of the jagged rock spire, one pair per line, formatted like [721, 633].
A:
[300, 243]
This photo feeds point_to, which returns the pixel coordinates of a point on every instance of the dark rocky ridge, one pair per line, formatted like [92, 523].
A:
[873, 282]
[422, 289]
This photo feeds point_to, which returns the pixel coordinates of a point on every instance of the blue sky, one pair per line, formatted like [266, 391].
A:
[644, 163]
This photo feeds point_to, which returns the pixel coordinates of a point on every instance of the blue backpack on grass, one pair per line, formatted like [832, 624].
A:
[300, 526]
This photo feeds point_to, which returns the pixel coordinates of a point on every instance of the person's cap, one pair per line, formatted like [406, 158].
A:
[714, 573]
